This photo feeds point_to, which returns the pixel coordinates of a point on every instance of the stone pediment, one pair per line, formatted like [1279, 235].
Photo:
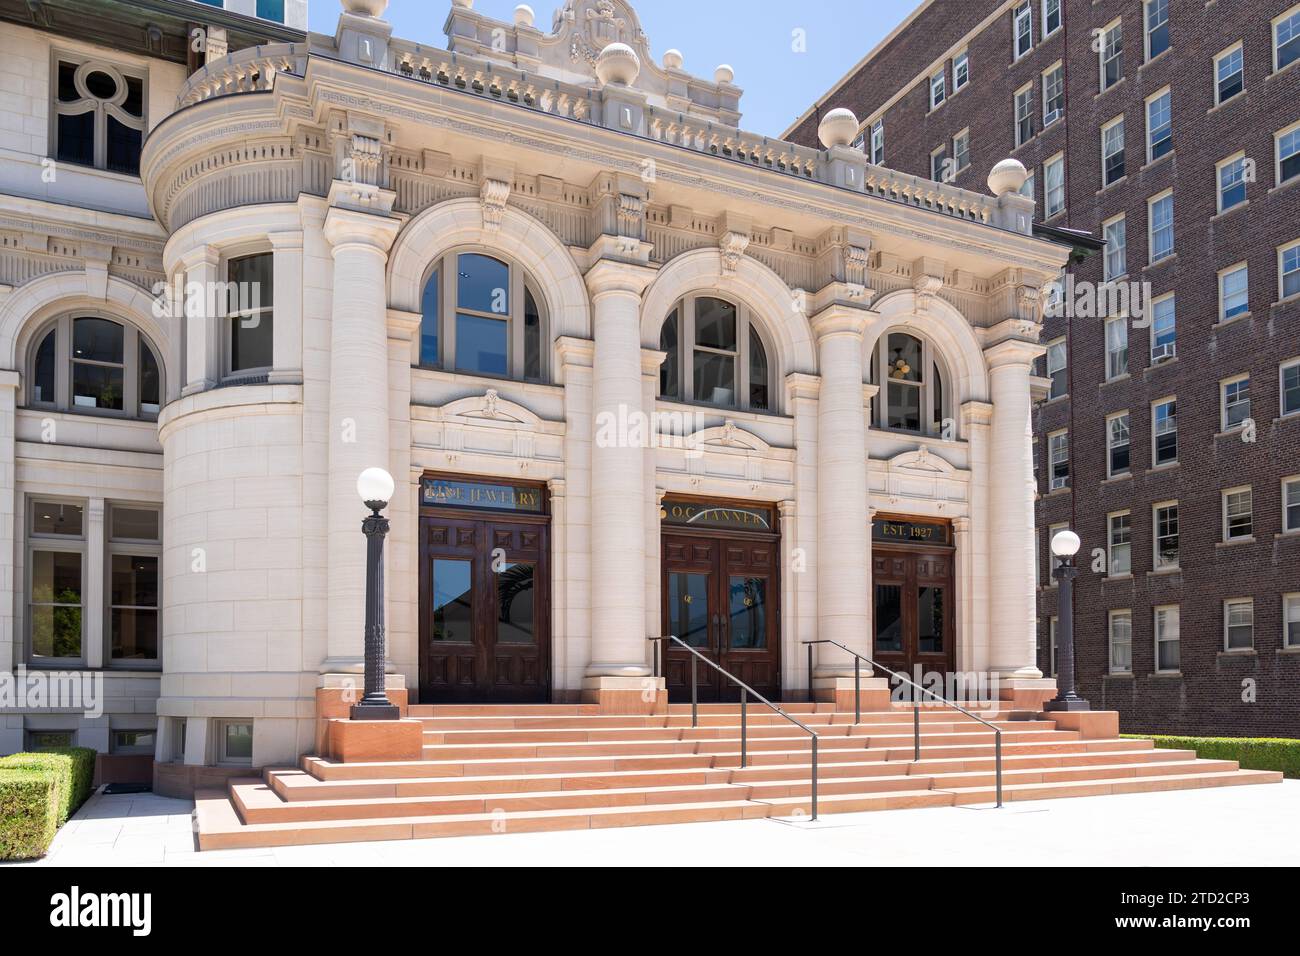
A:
[490, 409]
[921, 461]
[586, 27]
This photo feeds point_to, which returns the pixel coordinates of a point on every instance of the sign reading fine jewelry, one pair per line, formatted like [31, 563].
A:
[457, 493]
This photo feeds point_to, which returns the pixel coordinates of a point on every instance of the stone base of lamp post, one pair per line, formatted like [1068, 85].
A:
[1067, 704]
[365, 711]
[368, 741]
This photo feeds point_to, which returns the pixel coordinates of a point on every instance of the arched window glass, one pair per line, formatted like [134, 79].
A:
[912, 397]
[98, 365]
[715, 355]
[478, 314]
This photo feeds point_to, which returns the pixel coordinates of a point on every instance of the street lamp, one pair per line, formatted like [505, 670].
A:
[1065, 545]
[375, 486]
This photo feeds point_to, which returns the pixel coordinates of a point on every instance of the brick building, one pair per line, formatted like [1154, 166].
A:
[1169, 437]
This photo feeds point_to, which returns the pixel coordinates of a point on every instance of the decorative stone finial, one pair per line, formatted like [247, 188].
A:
[618, 64]
[837, 128]
[724, 74]
[673, 59]
[465, 4]
[366, 8]
[1007, 177]
[524, 15]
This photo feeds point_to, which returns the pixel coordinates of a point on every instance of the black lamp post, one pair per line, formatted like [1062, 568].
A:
[1065, 546]
[376, 489]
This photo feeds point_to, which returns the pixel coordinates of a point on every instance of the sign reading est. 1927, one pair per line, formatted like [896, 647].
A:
[455, 493]
[909, 532]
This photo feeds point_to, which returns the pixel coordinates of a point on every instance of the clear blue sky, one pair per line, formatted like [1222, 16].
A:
[755, 37]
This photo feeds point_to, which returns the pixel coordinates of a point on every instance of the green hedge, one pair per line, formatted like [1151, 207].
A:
[29, 813]
[72, 767]
[1252, 753]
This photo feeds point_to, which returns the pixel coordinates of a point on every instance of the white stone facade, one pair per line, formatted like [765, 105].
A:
[616, 187]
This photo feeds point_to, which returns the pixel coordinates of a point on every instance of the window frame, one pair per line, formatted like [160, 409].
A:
[87, 63]
[1282, 272]
[1160, 635]
[1223, 274]
[63, 327]
[1058, 70]
[1115, 358]
[960, 62]
[1103, 60]
[1156, 332]
[222, 754]
[1023, 96]
[1228, 605]
[1151, 142]
[1113, 615]
[34, 542]
[228, 319]
[1237, 48]
[1224, 384]
[1113, 446]
[1153, 230]
[1055, 482]
[1147, 29]
[1063, 367]
[131, 547]
[938, 157]
[1276, 22]
[961, 137]
[1290, 600]
[1282, 368]
[1120, 248]
[1112, 544]
[747, 320]
[939, 93]
[1122, 151]
[1157, 563]
[878, 359]
[1055, 161]
[1292, 130]
[1156, 433]
[1287, 483]
[1047, 29]
[1238, 157]
[522, 284]
[1225, 516]
[877, 125]
[1022, 15]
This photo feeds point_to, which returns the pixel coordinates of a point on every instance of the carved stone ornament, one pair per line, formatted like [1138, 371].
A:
[926, 288]
[733, 246]
[492, 197]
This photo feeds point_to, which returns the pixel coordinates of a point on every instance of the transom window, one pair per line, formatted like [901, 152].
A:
[481, 315]
[912, 395]
[95, 364]
[715, 354]
[98, 115]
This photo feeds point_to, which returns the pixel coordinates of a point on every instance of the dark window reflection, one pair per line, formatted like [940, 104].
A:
[929, 619]
[748, 612]
[889, 618]
[688, 607]
[452, 611]
[515, 621]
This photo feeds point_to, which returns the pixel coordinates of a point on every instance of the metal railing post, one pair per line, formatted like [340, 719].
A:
[810, 666]
[857, 693]
[997, 757]
[814, 777]
[916, 728]
[695, 692]
[744, 737]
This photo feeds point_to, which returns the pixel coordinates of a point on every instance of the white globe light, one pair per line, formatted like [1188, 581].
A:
[1065, 544]
[375, 484]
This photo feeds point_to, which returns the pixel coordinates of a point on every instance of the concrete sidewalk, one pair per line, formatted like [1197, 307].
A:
[1229, 826]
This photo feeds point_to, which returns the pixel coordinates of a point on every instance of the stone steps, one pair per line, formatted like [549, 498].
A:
[492, 769]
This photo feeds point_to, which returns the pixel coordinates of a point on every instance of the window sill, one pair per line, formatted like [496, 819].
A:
[1234, 432]
[1117, 479]
[1285, 535]
[1122, 675]
[1116, 577]
[1228, 102]
[1173, 256]
[1118, 378]
[1176, 675]
[1240, 652]
[1284, 184]
[1288, 651]
[1114, 86]
[1163, 363]
[1294, 297]
[1282, 72]
[1153, 163]
[1289, 416]
[1162, 467]
[1053, 400]
[1118, 182]
[1156, 59]
[1224, 213]
[1064, 490]
[739, 414]
[1248, 539]
[1164, 572]
[1222, 323]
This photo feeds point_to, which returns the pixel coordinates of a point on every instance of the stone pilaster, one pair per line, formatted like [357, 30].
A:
[618, 492]
[202, 319]
[358, 414]
[843, 534]
[1012, 612]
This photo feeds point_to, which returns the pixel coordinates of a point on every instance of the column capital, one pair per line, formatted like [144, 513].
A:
[651, 359]
[556, 487]
[609, 276]
[204, 255]
[349, 227]
[976, 413]
[285, 240]
[802, 385]
[575, 351]
[1013, 353]
[839, 321]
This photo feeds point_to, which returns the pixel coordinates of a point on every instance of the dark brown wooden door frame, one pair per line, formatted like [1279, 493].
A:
[486, 657]
[754, 666]
[916, 560]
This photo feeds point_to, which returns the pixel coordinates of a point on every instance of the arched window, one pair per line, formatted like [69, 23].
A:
[912, 396]
[480, 314]
[715, 355]
[95, 364]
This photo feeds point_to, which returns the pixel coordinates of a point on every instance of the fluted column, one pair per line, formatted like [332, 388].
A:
[618, 488]
[843, 533]
[358, 408]
[1012, 612]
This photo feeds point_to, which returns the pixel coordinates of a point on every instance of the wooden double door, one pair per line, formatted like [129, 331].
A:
[484, 609]
[913, 608]
[720, 595]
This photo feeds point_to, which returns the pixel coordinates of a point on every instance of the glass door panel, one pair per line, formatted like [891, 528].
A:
[688, 607]
[929, 619]
[889, 618]
[747, 611]
[452, 609]
[515, 609]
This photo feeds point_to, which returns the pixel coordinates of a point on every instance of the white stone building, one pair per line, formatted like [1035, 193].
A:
[636, 372]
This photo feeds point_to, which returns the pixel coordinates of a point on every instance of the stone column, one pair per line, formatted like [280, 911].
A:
[843, 533]
[96, 556]
[10, 645]
[618, 487]
[358, 410]
[1012, 611]
[202, 325]
[286, 343]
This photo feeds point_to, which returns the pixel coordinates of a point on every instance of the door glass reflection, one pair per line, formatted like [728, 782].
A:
[515, 605]
[929, 619]
[889, 618]
[688, 607]
[453, 601]
[748, 611]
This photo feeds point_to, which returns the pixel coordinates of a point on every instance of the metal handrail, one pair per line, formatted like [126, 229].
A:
[916, 711]
[745, 691]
